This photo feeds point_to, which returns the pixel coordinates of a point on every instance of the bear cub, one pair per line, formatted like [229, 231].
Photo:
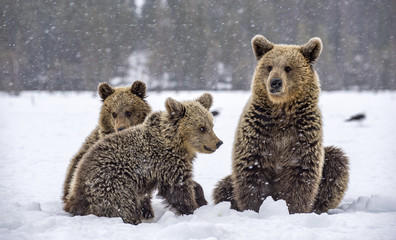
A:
[122, 108]
[117, 173]
[278, 148]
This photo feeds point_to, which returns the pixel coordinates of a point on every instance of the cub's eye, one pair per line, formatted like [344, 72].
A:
[269, 68]
[287, 69]
[128, 114]
[114, 115]
[202, 129]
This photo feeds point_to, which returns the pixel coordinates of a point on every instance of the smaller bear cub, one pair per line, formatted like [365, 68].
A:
[122, 107]
[118, 172]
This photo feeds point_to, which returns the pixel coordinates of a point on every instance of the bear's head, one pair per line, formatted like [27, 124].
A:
[122, 107]
[285, 72]
[194, 123]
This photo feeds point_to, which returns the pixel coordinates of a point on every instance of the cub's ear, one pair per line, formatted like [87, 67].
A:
[139, 89]
[205, 100]
[312, 49]
[175, 109]
[261, 46]
[105, 90]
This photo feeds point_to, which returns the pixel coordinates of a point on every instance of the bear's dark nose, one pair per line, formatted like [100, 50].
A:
[218, 144]
[120, 129]
[276, 83]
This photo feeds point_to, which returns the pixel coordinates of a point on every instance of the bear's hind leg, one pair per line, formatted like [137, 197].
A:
[131, 211]
[119, 202]
[334, 182]
[77, 205]
[224, 192]
[125, 203]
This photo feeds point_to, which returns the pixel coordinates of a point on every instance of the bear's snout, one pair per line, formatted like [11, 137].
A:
[211, 145]
[276, 85]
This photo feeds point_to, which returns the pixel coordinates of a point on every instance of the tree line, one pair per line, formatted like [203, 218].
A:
[189, 45]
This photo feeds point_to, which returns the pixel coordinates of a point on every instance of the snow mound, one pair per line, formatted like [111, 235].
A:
[273, 208]
[374, 203]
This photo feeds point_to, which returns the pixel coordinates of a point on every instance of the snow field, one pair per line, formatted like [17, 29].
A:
[40, 132]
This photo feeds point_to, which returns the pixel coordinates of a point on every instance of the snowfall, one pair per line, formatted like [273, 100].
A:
[40, 132]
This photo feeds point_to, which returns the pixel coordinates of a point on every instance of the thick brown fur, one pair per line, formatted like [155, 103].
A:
[119, 171]
[278, 149]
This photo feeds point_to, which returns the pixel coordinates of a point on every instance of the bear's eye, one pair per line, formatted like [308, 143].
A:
[128, 114]
[114, 115]
[202, 129]
[269, 68]
[287, 69]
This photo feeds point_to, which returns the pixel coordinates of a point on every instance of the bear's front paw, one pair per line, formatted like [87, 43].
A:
[132, 221]
[199, 195]
[147, 213]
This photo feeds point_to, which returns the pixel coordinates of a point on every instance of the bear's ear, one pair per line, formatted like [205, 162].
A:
[139, 89]
[105, 90]
[205, 100]
[261, 46]
[312, 49]
[175, 109]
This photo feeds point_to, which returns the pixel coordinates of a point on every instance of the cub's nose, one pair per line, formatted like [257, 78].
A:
[276, 83]
[120, 129]
[218, 144]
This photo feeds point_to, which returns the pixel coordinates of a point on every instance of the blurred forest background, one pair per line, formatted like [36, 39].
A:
[188, 44]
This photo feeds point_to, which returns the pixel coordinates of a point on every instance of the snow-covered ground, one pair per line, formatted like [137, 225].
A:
[40, 132]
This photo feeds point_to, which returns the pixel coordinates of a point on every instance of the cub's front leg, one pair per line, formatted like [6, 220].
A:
[179, 196]
[199, 194]
[147, 209]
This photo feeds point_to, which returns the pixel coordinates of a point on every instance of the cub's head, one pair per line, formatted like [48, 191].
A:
[195, 123]
[285, 72]
[123, 107]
